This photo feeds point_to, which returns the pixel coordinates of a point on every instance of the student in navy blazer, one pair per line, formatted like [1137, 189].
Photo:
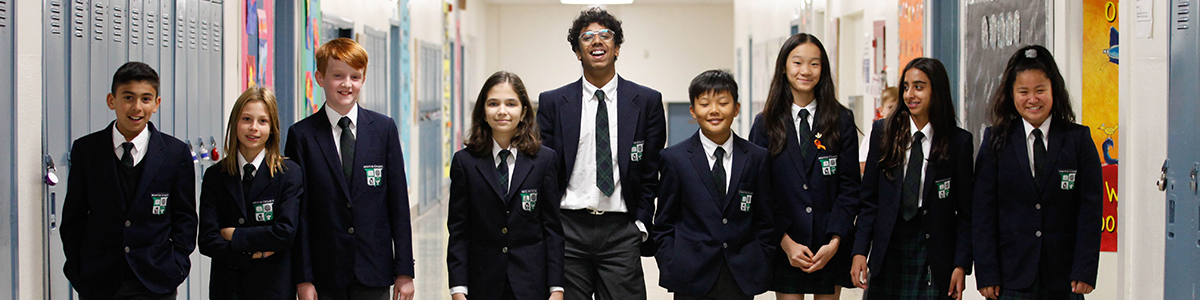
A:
[919, 243]
[250, 206]
[1037, 190]
[356, 237]
[815, 177]
[715, 242]
[608, 192]
[129, 217]
[506, 239]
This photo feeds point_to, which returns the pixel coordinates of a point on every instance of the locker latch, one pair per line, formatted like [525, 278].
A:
[1193, 176]
[1162, 180]
[51, 178]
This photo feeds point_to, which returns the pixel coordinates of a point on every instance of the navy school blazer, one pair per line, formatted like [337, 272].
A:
[99, 232]
[946, 211]
[641, 134]
[1020, 232]
[812, 206]
[222, 205]
[698, 231]
[515, 237]
[356, 229]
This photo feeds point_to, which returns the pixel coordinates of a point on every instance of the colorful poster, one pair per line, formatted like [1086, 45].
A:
[313, 94]
[1100, 106]
[257, 40]
[911, 32]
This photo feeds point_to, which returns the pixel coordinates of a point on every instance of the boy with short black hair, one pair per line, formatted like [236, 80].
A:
[129, 217]
[356, 239]
[715, 242]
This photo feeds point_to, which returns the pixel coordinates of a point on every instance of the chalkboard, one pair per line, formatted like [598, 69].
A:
[993, 30]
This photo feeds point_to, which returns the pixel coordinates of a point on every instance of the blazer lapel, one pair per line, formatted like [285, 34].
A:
[235, 188]
[364, 140]
[739, 165]
[108, 167]
[792, 151]
[1057, 136]
[810, 161]
[520, 171]
[627, 122]
[151, 162]
[931, 175]
[487, 167]
[703, 170]
[333, 159]
[261, 183]
[572, 109]
[1017, 140]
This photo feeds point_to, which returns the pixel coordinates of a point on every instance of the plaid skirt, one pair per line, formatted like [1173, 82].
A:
[906, 274]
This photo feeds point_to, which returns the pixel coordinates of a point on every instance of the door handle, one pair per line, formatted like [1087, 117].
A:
[1162, 180]
[51, 179]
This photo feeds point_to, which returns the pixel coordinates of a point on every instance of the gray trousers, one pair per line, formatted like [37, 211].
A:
[602, 257]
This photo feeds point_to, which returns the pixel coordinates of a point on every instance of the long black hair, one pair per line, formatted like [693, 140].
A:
[526, 139]
[1004, 112]
[777, 113]
[896, 138]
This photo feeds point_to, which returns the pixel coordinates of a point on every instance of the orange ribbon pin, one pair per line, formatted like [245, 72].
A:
[818, 143]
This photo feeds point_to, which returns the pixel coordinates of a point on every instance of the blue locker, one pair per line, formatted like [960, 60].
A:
[134, 21]
[7, 137]
[166, 71]
[1181, 278]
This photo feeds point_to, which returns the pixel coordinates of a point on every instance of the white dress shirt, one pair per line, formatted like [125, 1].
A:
[582, 192]
[257, 162]
[337, 131]
[710, 150]
[140, 142]
[1029, 141]
[926, 145]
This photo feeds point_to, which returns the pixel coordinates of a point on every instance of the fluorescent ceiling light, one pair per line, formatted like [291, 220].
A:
[585, 2]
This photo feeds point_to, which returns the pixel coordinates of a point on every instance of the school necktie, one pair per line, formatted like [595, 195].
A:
[502, 170]
[347, 141]
[1039, 157]
[604, 165]
[127, 158]
[247, 177]
[805, 132]
[912, 177]
[718, 171]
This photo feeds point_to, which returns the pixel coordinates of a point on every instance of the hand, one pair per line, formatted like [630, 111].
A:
[227, 233]
[859, 273]
[799, 256]
[262, 254]
[957, 283]
[458, 296]
[557, 295]
[306, 291]
[1079, 287]
[991, 292]
[824, 255]
[404, 289]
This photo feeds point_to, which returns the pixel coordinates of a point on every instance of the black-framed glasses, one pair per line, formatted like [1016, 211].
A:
[604, 34]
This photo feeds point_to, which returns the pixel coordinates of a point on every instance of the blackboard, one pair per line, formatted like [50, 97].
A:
[993, 30]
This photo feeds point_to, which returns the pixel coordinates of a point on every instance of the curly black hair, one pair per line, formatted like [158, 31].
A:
[591, 15]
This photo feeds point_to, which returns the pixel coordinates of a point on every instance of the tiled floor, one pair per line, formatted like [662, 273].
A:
[430, 235]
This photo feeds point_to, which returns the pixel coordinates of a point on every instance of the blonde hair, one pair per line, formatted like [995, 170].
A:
[274, 158]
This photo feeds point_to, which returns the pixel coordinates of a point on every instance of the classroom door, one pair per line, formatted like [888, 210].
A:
[680, 124]
[1181, 278]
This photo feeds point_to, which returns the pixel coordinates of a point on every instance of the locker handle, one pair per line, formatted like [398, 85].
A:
[51, 178]
[1162, 180]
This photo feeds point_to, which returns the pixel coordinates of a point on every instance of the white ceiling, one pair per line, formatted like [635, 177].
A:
[635, 2]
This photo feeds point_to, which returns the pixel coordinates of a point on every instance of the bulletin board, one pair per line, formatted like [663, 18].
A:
[1100, 105]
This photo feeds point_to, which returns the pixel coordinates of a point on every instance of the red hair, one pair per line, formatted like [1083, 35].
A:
[343, 49]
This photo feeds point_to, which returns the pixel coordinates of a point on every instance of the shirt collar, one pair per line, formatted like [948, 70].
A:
[811, 107]
[610, 88]
[496, 152]
[928, 130]
[1029, 128]
[710, 146]
[140, 142]
[257, 162]
[334, 116]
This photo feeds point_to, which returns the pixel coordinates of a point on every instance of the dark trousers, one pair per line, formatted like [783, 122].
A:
[133, 289]
[725, 288]
[357, 291]
[602, 257]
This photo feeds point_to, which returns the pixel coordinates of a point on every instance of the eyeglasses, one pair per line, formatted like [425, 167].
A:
[604, 34]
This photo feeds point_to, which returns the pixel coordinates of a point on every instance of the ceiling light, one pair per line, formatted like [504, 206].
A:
[587, 2]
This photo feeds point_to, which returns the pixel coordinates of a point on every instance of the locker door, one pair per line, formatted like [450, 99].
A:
[179, 31]
[98, 59]
[135, 30]
[7, 172]
[166, 73]
[374, 95]
[56, 121]
[429, 125]
[1183, 158]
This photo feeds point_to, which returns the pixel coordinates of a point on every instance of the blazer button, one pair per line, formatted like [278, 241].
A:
[1038, 206]
[127, 223]
[126, 249]
[725, 245]
[1038, 233]
[724, 221]
[808, 209]
[348, 205]
[927, 236]
[504, 250]
[504, 230]
[351, 230]
[241, 220]
[805, 186]
[924, 211]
